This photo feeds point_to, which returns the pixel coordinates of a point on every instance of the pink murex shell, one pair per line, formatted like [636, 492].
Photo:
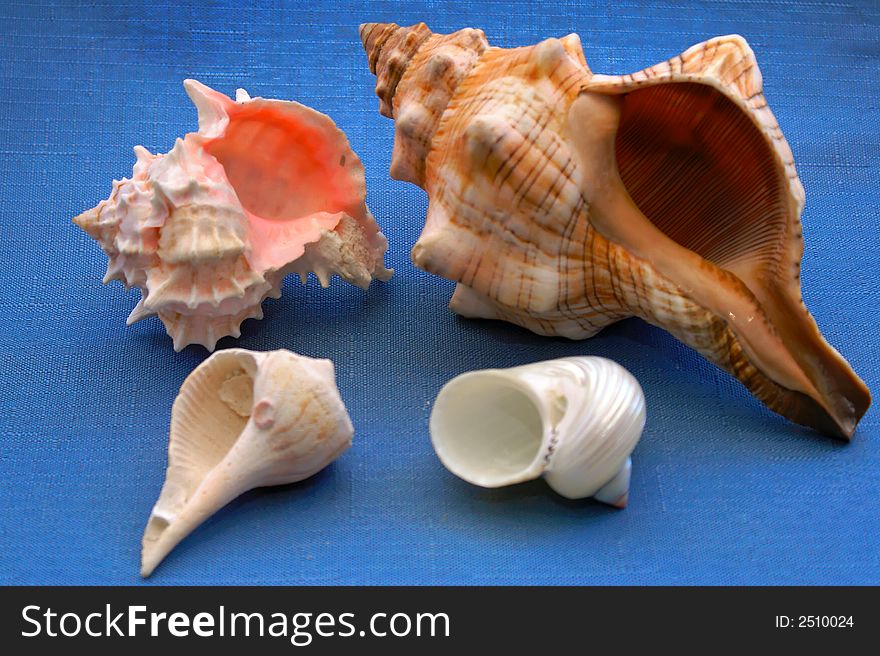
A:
[210, 229]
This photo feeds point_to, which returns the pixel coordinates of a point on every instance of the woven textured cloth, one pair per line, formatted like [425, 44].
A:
[723, 491]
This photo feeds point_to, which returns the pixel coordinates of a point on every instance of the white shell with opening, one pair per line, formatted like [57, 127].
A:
[574, 421]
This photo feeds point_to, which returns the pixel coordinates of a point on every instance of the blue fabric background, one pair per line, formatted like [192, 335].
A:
[723, 491]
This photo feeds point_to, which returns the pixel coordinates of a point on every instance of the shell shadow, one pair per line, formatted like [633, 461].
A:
[508, 508]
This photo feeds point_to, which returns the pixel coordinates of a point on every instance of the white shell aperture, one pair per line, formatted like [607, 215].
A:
[574, 421]
[243, 420]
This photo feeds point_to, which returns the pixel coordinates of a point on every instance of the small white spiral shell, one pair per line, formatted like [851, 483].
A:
[574, 421]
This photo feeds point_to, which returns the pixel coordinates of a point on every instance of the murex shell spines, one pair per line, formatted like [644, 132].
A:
[513, 220]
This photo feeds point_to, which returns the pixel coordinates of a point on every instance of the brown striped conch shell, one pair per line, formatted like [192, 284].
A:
[243, 420]
[210, 229]
[563, 201]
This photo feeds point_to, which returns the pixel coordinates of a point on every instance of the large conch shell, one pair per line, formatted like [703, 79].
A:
[243, 420]
[210, 229]
[574, 421]
[563, 201]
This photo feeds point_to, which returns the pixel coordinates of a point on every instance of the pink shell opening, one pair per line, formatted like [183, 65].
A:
[292, 169]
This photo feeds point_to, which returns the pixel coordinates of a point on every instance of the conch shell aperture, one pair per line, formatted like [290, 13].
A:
[563, 201]
[210, 229]
[243, 420]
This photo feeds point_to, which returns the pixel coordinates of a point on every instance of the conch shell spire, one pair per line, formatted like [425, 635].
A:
[563, 201]
[417, 73]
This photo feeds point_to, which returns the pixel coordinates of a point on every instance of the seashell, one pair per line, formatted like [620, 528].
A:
[574, 421]
[563, 201]
[210, 229]
[243, 420]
